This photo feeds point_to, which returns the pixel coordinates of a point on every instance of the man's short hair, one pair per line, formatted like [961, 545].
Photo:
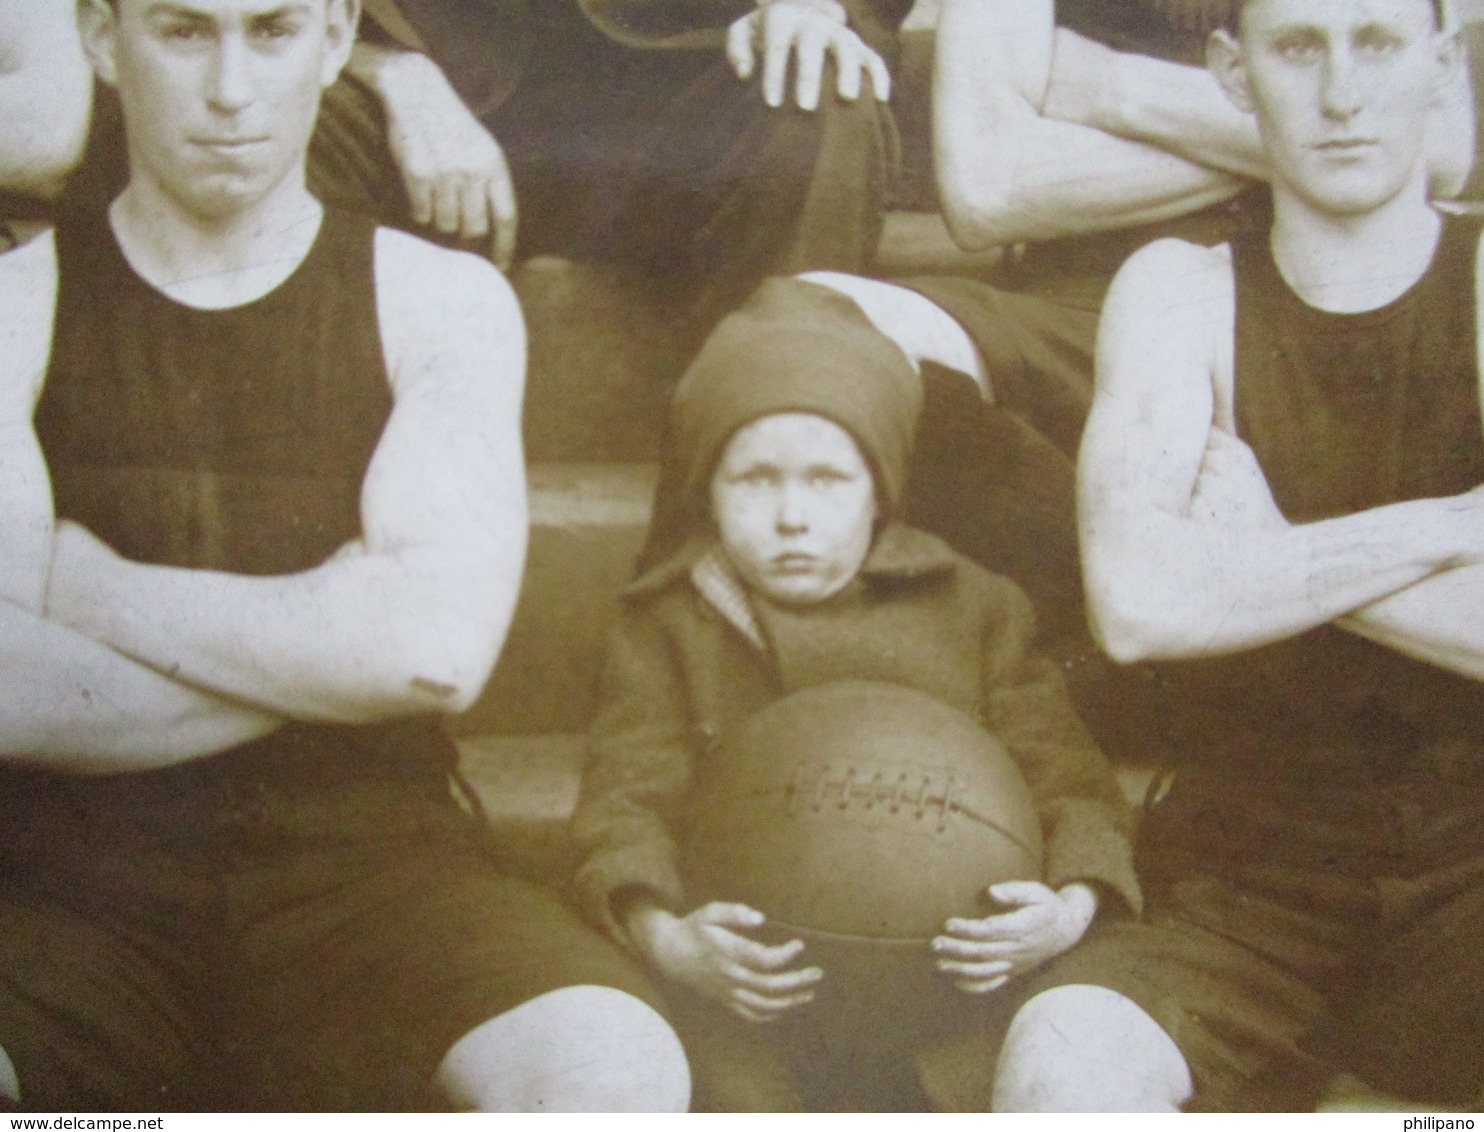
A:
[1234, 13]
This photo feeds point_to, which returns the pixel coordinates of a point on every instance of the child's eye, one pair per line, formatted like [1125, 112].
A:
[756, 477]
[826, 477]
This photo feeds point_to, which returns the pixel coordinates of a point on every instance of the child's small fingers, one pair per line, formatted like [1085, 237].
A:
[760, 956]
[785, 982]
[1021, 892]
[981, 986]
[770, 1006]
[1009, 926]
[964, 970]
[953, 947]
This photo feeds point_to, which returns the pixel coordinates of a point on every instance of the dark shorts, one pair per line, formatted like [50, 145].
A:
[1293, 932]
[255, 950]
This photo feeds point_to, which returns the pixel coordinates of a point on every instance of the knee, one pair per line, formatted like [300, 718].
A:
[10, 1082]
[1088, 1049]
[578, 1049]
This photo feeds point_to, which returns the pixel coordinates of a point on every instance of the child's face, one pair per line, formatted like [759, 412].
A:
[796, 503]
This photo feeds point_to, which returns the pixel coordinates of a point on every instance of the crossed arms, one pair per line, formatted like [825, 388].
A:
[1185, 553]
[107, 664]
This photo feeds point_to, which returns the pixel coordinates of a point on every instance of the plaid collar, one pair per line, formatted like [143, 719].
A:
[717, 582]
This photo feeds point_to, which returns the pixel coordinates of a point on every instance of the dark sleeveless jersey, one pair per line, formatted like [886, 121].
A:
[231, 440]
[1346, 412]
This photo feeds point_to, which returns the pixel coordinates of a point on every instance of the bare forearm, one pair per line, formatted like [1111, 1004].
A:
[1181, 587]
[1009, 172]
[1176, 108]
[340, 642]
[69, 703]
[1439, 620]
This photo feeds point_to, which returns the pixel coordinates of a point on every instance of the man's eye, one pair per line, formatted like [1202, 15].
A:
[1377, 43]
[186, 33]
[1300, 49]
[272, 30]
[826, 477]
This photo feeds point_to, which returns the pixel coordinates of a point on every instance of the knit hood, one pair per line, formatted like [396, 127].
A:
[797, 347]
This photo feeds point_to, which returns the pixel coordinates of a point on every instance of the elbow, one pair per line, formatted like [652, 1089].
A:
[1133, 624]
[445, 670]
[980, 217]
[987, 212]
[423, 668]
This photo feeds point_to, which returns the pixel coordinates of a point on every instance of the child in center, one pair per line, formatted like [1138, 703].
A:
[795, 427]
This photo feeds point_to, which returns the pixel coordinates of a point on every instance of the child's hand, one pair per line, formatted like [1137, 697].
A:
[983, 955]
[705, 952]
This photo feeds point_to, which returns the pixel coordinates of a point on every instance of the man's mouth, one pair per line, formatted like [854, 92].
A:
[228, 144]
[793, 563]
[1343, 146]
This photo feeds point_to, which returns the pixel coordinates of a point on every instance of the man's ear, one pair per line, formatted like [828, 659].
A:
[342, 17]
[1450, 56]
[97, 24]
[1224, 60]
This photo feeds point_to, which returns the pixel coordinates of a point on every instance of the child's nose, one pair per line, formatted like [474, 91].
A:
[792, 517]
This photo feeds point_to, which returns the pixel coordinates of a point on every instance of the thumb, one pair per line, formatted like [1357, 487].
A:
[732, 915]
[1020, 892]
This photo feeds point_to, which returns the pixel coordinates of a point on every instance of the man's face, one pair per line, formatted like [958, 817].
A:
[219, 96]
[1342, 90]
[795, 504]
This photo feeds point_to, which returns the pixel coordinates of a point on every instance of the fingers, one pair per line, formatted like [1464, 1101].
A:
[775, 984]
[474, 215]
[760, 1008]
[880, 76]
[1022, 892]
[725, 915]
[981, 986]
[1008, 926]
[778, 41]
[975, 949]
[446, 201]
[740, 52]
[976, 972]
[419, 192]
[504, 214]
[813, 42]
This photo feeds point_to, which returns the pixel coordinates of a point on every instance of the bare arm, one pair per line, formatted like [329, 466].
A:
[46, 91]
[1441, 619]
[1007, 171]
[453, 168]
[1182, 110]
[1177, 108]
[1184, 552]
[411, 617]
[68, 702]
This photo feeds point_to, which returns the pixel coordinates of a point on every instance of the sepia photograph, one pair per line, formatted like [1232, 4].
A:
[815, 556]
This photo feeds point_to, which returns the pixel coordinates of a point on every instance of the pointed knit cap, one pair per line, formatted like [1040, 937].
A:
[798, 347]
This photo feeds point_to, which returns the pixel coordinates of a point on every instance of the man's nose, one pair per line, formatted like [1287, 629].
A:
[1342, 91]
[231, 79]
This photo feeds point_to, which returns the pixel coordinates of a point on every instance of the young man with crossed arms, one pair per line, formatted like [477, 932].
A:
[1279, 487]
[282, 449]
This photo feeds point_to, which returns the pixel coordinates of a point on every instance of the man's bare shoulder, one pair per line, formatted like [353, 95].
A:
[424, 274]
[446, 314]
[28, 300]
[1189, 274]
[1171, 301]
